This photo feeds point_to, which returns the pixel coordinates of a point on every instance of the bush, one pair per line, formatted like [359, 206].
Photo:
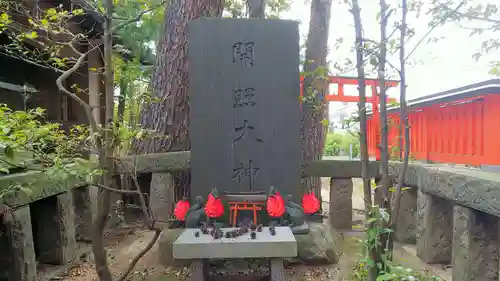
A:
[396, 273]
[337, 144]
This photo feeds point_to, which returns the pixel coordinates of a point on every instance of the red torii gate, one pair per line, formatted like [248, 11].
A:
[374, 98]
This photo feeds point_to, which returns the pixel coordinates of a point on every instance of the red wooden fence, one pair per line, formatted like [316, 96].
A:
[460, 126]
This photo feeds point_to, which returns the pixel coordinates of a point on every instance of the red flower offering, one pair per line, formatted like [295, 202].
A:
[310, 203]
[275, 205]
[214, 207]
[181, 209]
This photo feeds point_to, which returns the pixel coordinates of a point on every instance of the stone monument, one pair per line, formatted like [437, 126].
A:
[245, 112]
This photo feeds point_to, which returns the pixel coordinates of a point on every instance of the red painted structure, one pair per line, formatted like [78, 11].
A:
[374, 128]
[460, 126]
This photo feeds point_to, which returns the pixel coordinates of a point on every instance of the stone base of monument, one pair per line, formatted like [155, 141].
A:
[317, 217]
[319, 246]
[300, 229]
[200, 249]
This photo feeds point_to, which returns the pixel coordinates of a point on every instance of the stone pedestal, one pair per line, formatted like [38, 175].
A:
[406, 226]
[83, 213]
[276, 271]
[54, 223]
[189, 247]
[161, 199]
[198, 271]
[475, 245]
[19, 248]
[320, 246]
[434, 229]
[340, 213]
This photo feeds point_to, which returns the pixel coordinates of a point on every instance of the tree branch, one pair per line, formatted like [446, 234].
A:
[115, 189]
[151, 225]
[86, 107]
[137, 18]
[471, 17]
[434, 27]
[140, 255]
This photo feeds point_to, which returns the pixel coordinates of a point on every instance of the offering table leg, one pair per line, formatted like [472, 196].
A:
[276, 270]
[197, 271]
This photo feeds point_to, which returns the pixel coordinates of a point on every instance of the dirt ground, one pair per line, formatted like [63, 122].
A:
[122, 248]
[124, 245]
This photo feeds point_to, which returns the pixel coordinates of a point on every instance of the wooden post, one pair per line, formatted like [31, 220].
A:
[95, 80]
[95, 65]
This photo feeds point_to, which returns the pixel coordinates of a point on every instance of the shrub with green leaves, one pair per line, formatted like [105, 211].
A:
[397, 273]
[336, 143]
[29, 143]
[387, 268]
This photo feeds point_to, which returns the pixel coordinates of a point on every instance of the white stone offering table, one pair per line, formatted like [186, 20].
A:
[199, 249]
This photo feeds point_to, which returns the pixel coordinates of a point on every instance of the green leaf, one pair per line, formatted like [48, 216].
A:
[386, 277]
[8, 151]
[26, 190]
[32, 35]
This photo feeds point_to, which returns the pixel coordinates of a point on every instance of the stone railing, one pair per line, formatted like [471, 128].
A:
[450, 213]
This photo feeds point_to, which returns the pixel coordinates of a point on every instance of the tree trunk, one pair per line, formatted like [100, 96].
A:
[312, 127]
[121, 100]
[363, 131]
[106, 154]
[404, 129]
[170, 82]
[363, 142]
[385, 241]
[256, 8]
[384, 141]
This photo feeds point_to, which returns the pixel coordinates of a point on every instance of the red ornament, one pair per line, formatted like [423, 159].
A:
[181, 209]
[275, 205]
[310, 203]
[214, 207]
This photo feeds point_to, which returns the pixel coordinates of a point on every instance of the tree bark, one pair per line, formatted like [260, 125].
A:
[105, 155]
[363, 146]
[384, 142]
[256, 8]
[404, 128]
[312, 127]
[363, 131]
[385, 241]
[121, 100]
[170, 82]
